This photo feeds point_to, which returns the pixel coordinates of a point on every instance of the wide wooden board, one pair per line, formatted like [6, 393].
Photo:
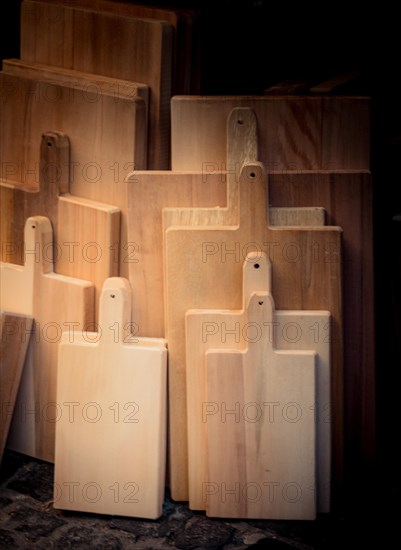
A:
[91, 85]
[260, 464]
[107, 132]
[295, 133]
[15, 330]
[186, 39]
[86, 232]
[110, 44]
[232, 329]
[203, 270]
[57, 303]
[347, 198]
[111, 442]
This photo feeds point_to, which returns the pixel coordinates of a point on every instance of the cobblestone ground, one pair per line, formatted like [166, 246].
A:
[28, 520]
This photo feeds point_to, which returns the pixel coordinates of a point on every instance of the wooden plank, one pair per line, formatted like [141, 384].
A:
[114, 445]
[186, 40]
[202, 270]
[110, 44]
[107, 132]
[148, 193]
[91, 85]
[57, 303]
[231, 329]
[295, 133]
[347, 200]
[15, 330]
[251, 452]
[86, 232]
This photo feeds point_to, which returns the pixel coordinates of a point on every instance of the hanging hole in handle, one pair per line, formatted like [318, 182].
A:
[252, 175]
[256, 266]
[240, 121]
[112, 295]
[49, 143]
[261, 303]
[34, 227]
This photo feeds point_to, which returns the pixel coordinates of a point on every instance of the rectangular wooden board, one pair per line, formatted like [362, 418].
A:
[295, 133]
[106, 43]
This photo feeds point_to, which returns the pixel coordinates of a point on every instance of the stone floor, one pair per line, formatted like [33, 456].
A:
[28, 520]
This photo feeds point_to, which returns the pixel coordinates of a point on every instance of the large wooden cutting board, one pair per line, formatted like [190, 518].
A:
[86, 232]
[232, 329]
[203, 270]
[111, 442]
[15, 331]
[57, 303]
[92, 85]
[107, 132]
[186, 39]
[261, 461]
[295, 133]
[110, 44]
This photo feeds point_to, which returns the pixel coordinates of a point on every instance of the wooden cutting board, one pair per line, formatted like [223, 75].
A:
[203, 270]
[92, 85]
[197, 197]
[86, 232]
[295, 133]
[185, 43]
[110, 44]
[107, 132]
[57, 303]
[234, 330]
[111, 444]
[261, 462]
[15, 330]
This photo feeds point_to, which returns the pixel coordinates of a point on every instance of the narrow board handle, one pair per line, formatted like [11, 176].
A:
[115, 311]
[54, 166]
[38, 244]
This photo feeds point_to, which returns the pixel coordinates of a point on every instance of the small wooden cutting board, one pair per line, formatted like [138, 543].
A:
[261, 431]
[111, 442]
[57, 303]
[15, 332]
[232, 329]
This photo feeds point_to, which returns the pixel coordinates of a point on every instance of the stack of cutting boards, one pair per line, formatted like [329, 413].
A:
[250, 260]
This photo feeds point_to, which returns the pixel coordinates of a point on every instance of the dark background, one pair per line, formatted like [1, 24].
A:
[247, 46]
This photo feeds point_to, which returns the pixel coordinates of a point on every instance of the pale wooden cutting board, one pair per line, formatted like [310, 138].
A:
[15, 330]
[57, 303]
[107, 131]
[232, 329]
[295, 133]
[111, 443]
[111, 44]
[261, 458]
[203, 270]
[86, 232]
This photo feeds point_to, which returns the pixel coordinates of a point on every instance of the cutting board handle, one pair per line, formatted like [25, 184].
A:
[115, 311]
[242, 138]
[38, 244]
[54, 165]
[256, 275]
